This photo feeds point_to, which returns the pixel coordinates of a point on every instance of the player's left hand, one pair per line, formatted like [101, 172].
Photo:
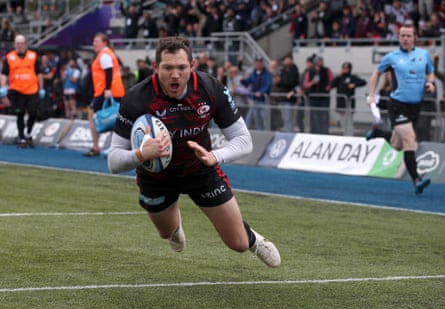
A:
[107, 94]
[430, 87]
[206, 157]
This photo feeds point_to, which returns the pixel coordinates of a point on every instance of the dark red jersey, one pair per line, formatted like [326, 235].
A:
[186, 119]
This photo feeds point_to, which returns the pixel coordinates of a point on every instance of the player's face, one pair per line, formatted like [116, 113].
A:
[98, 44]
[174, 72]
[20, 44]
[407, 38]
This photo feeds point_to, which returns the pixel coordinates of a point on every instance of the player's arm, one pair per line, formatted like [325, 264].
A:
[121, 158]
[4, 75]
[429, 83]
[373, 82]
[239, 143]
[39, 73]
[3, 79]
[430, 76]
[106, 63]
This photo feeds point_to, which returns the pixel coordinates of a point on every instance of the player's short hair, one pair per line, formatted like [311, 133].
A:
[409, 23]
[103, 37]
[172, 45]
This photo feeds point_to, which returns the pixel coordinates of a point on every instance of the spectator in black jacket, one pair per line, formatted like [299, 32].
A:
[214, 21]
[287, 85]
[149, 27]
[232, 22]
[132, 15]
[346, 82]
[298, 28]
[322, 18]
[143, 69]
[7, 33]
[318, 85]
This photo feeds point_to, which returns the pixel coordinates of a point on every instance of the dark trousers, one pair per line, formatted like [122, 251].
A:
[319, 115]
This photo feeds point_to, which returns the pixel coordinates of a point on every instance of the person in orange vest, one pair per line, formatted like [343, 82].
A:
[21, 72]
[107, 83]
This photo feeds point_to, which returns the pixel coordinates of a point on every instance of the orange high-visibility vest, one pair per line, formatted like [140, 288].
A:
[22, 73]
[99, 81]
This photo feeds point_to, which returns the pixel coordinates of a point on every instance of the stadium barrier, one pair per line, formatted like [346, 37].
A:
[345, 155]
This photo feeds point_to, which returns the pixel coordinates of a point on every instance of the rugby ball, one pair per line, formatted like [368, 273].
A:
[138, 138]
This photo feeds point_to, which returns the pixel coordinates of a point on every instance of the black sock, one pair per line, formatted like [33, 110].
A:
[21, 125]
[411, 164]
[250, 234]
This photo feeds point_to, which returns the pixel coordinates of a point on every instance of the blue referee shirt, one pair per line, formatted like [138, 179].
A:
[408, 70]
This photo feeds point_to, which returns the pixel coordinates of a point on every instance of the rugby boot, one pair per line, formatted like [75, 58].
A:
[266, 251]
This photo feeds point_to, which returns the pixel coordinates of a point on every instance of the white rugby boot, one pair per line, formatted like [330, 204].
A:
[177, 240]
[266, 251]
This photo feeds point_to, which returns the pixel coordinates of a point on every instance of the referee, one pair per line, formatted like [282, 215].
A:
[412, 72]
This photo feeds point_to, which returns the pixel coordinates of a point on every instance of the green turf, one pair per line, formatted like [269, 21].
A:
[102, 250]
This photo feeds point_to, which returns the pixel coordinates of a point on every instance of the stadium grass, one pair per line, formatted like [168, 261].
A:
[107, 241]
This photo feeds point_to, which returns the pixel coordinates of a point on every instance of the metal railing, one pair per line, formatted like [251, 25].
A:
[341, 120]
[233, 46]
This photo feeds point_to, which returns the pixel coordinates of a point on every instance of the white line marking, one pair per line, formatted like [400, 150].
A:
[44, 214]
[192, 284]
[66, 169]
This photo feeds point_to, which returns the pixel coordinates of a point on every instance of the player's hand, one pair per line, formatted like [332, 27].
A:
[107, 94]
[154, 147]
[430, 87]
[290, 94]
[206, 157]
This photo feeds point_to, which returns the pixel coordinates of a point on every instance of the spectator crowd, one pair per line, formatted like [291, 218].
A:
[335, 19]
[68, 79]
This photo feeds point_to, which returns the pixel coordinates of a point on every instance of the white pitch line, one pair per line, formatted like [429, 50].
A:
[192, 284]
[47, 214]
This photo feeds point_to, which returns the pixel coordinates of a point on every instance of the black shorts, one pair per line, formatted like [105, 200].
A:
[208, 188]
[68, 97]
[22, 103]
[400, 113]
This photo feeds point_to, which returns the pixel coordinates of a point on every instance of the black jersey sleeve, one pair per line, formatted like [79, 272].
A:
[133, 105]
[226, 111]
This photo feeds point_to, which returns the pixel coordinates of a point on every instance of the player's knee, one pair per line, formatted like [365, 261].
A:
[397, 147]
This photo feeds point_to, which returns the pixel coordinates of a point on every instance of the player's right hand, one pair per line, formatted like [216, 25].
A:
[206, 157]
[154, 147]
[107, 94]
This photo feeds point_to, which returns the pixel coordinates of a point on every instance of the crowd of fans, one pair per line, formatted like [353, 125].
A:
[335, 19]
[16, 17]
[332, 19]
[199, 17]
[368, 19]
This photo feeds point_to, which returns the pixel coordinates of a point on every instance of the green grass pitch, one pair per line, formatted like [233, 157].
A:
[79, 240]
